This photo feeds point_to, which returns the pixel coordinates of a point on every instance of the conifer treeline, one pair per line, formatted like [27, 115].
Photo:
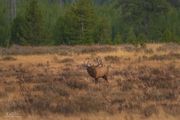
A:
[55, 22]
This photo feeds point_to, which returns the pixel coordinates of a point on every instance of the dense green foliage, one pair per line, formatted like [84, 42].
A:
[48, 22]
[27, 30]
[143, 20]
[3, 25]
[81, 25]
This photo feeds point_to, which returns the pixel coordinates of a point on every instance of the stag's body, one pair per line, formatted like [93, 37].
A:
[98, 71]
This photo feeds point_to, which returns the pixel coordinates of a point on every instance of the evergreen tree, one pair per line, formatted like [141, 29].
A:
[33, 23]
[80, 20]
[167, 36]
[62, 31]
[29, 27]
[4, 31]
[117, 39]
[17, 31]
[131, 37]
[102, 31]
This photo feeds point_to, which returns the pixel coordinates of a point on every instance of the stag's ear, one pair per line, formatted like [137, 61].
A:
[85, 65]
[89, 65]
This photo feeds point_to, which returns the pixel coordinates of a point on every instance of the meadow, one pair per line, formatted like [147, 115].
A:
[42, 83]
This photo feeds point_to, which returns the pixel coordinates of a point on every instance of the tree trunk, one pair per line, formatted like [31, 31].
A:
[12, 9]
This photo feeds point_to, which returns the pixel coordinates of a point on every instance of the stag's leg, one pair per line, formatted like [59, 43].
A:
[96, 80]
[105, 77]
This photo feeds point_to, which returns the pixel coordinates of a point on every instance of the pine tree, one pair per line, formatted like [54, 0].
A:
[27, 29]
[118, 39]
[102, 31]
[17, 31]
[33, 23]
[4, 31]
[131, 37]
[62, 31]
[168, 36]
[81, 28]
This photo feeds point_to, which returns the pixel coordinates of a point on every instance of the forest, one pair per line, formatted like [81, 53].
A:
[86, 22]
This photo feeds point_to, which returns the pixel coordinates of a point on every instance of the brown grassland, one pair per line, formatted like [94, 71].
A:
[50, 83]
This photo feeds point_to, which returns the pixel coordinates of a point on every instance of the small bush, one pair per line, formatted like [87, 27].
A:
[40, 105]
[8, 58]
[169, 56]
[95, 49]
[130, 106]
[169, 46]
[42, 87]
[113, 59]
[10, 88]
[60, 90]
[150, 110]
[173, 109]
[82, 104]
[127, 85]
[90, 104]
[149, 51]
[67, 107]
[57, 89]
[67, 60]
[157, 95]
[2, 94]
[129, 48]
[76, 84]
[35, 105]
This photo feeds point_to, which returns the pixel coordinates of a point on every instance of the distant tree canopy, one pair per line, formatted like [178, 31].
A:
[142, 16]
[55, 22]
[3, 25]
[27, 29]
[80, 20]
[81, 25]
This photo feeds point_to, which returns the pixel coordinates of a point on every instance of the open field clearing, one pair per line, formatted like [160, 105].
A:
[41, 83]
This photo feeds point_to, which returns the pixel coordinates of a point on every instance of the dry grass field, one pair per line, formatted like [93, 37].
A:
[50, 83]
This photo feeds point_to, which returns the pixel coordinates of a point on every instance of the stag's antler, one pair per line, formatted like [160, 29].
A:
[99, 62]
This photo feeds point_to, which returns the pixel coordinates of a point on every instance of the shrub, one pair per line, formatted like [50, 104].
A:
[95, 49]
[67, 60]
[173, 109]
[76, 84]
[149, 110]
[67, 107]
[8, 58]
[112, 59]
[127, 85]
[2, 94]
[90, 104]
[36, 105]
[10, 88]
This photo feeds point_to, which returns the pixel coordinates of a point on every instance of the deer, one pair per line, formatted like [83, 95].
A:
[98, 70]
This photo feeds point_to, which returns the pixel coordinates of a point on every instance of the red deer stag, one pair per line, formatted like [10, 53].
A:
[98, 70]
